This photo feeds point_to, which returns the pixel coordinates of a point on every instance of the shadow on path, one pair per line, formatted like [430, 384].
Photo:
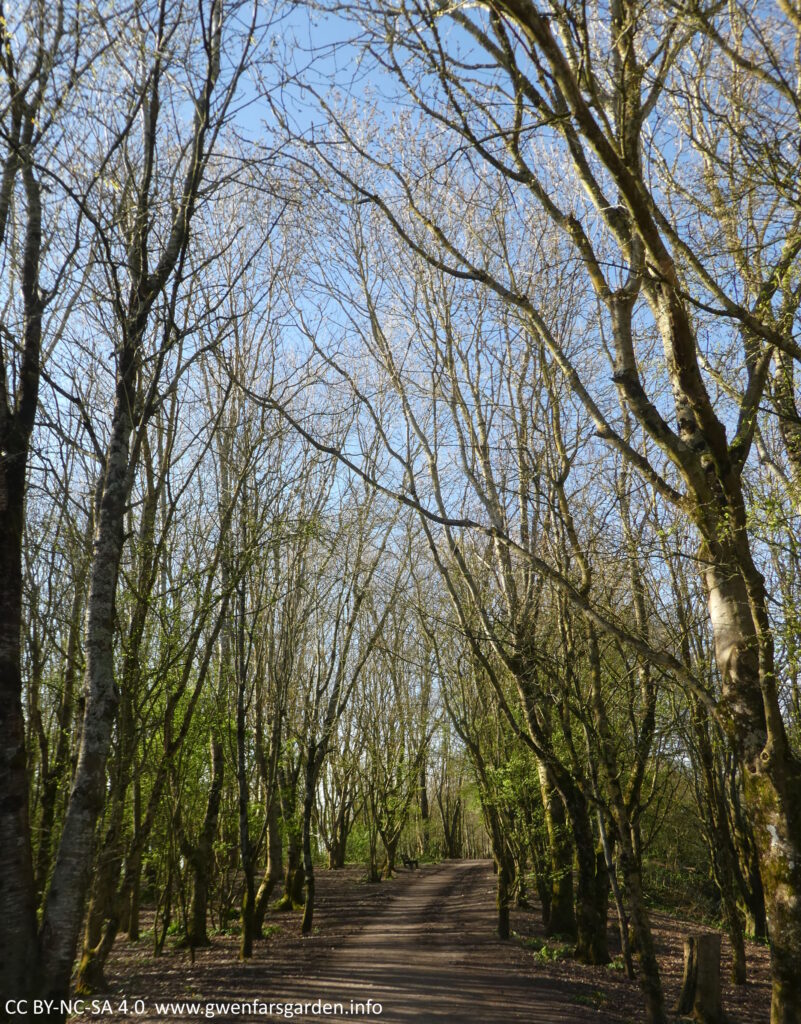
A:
[431, 956]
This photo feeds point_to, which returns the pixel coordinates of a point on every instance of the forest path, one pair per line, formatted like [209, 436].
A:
[431, 956]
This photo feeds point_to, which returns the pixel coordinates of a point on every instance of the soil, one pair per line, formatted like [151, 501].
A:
[422, 946]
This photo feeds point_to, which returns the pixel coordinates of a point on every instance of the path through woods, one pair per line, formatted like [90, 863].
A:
[423, 946]
[431, 956]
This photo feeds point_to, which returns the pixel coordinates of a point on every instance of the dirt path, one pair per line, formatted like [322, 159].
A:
[431, 956]
[421, 945]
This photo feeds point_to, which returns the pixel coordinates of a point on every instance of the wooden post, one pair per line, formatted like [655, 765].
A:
[700, 991]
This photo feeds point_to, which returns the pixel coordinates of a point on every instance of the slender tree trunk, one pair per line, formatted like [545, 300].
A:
[203, 853]
[504, 896]
[723, 855]
[754, 898]
[373, 870]
[245, 850]
[502, 861]
[308, 860]
[650, 980]
[342, 826]
[57, 774]
[275, 866]
[591, 902]
[118, 908]
[390, 841]
[293, 878]
[339, 840]
[133, 908]
[425, 812]
[90, 977]
[105, 905]
[622, 916]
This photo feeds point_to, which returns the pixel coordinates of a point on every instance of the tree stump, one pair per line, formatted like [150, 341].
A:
[700, 991]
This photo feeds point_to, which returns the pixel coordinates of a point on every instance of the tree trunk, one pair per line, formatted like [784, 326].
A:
[245, 850]
[293, 879]
[90, 977]
[203, 853]
[504, 883]
[391, 849]
[18, 953]
[336, 855]
[132, 925]
[136, 888]
[308, 861]
[754, 899]
[502, 861]
[425, 812]
[64, 905]
[561, 918]
[700, 992]
[772, 784]
[57, 775]
[373, 870]
[591, 942]
[722, 852]
[275, 867]
[627, 840]
[650, 980]
[19, 956]
[339, 842]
